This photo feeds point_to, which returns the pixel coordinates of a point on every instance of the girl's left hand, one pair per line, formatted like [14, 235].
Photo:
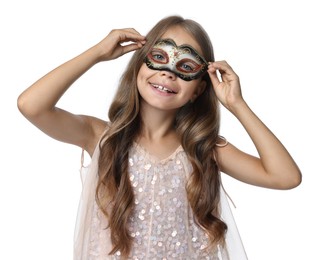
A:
[227, 86]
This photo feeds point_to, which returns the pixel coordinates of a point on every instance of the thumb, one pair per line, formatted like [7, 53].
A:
[214, 78]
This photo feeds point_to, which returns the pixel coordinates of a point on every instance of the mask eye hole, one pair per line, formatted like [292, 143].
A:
[158, 56]
[188, 66]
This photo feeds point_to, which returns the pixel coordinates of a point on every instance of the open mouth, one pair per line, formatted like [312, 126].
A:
[163, 89]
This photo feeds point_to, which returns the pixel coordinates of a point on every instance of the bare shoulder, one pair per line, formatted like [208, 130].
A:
[97, 127]
[240, 165]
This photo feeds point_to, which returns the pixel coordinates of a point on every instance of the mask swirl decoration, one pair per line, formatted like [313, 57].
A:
[184, 61]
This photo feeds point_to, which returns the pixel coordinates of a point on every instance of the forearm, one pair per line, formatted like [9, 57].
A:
[274, 157]
[43, 95]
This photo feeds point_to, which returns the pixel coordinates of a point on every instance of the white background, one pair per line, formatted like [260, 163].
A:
[272, 45]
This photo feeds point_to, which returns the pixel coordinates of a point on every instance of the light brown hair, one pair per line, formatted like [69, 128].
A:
[197, 124]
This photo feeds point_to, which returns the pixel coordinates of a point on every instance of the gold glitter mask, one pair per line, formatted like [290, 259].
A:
[183, 60]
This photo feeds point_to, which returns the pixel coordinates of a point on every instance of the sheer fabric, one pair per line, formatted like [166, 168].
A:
[163, 224]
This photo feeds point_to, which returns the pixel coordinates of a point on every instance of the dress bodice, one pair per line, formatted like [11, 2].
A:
[162, 224]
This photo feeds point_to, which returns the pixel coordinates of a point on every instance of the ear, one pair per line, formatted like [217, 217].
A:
[199, 90]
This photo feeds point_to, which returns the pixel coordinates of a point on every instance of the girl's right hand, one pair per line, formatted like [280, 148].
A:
[119, 42]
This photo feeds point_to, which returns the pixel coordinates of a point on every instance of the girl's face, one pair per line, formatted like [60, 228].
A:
[164, 89]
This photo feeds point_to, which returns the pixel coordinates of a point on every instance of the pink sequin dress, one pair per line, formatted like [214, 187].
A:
[163, 224]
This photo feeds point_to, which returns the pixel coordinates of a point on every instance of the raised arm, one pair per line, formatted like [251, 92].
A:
[275, 168]
[38, 102]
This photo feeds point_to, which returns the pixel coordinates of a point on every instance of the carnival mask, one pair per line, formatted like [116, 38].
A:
[183, 60]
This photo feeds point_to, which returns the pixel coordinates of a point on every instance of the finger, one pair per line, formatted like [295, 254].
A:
[212, 72]
[131, 41]
[214, 79]
[131, 47]
[223, 67]
[131, 34]
[131, 30]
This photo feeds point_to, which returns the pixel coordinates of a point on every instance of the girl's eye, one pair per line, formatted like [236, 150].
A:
[158, 56]
[188, 66]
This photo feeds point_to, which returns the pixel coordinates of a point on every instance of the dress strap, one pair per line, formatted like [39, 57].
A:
[227, 195]
[82, 159]
[222, 144]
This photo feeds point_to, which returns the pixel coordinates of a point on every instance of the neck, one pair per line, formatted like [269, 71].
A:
[156, 123]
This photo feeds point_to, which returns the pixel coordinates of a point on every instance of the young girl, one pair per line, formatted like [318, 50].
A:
[153, 188]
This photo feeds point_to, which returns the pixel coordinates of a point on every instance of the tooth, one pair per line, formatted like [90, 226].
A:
[163, 89]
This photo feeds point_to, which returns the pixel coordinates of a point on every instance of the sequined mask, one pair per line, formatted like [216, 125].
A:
[183, 60]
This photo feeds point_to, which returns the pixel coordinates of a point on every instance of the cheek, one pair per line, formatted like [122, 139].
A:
[144, 71]
[191, 88]
[139, 76]
[143, 74]
[142, 77]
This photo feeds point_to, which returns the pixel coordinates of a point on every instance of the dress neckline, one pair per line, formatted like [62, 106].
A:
[155, 159]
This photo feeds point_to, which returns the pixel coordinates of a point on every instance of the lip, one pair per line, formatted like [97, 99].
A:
[163, 89]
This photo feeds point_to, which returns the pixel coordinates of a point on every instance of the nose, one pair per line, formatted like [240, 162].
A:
[168, 74]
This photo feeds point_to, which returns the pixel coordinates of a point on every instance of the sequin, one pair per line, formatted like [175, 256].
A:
[164, 218]
[147, 166]
[162, 225]
[130, 160]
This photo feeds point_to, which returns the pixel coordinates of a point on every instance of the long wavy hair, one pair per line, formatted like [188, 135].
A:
[197, 125]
